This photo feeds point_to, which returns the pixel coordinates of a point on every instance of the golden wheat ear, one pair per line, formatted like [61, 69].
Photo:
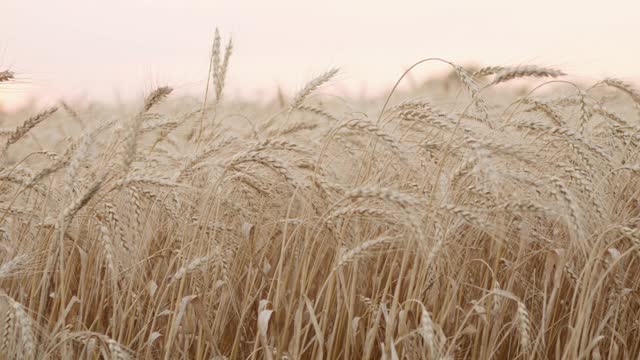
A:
[518, 72]
[311, 86]
[27, 126]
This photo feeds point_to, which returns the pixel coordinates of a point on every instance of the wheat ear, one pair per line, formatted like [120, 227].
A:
[311, 86]
[23, 129]
[517, 72]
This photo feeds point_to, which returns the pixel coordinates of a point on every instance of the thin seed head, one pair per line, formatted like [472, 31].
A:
[156, 96]
[525, 71]
[312, 86]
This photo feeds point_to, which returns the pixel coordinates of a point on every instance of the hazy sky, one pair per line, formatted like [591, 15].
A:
[70, 48]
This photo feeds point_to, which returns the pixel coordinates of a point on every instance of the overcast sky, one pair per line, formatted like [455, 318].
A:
[97, 49]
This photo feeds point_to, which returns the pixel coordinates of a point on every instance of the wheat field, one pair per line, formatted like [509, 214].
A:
[466, 218]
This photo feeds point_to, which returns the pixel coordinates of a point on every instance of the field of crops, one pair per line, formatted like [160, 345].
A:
[466, 218]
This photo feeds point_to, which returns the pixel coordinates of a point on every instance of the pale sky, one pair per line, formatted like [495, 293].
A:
[74, 48]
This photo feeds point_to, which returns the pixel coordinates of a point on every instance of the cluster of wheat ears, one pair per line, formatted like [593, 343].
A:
[486, 224]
